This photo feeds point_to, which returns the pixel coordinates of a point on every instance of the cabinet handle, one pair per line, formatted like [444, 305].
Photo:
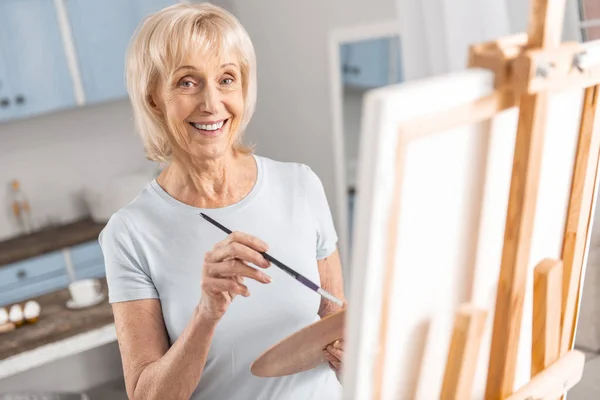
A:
[348, 69]
[20, 99]
[21, 274]
[5, 102]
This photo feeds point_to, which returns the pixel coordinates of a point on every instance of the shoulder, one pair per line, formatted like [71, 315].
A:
[289, 171]
[123, 223]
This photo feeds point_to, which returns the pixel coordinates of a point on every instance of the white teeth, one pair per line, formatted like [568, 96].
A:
[212, 127]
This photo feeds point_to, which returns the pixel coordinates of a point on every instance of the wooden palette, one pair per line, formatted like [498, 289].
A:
[302, 350]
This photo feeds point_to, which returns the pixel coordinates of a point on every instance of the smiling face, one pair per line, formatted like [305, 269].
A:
[202, 103]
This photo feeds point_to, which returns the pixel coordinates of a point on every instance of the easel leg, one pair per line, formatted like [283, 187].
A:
[545, 27]
[517, 241]
[582, 191]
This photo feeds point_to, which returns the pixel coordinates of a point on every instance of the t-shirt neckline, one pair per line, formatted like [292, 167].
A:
[240, 204]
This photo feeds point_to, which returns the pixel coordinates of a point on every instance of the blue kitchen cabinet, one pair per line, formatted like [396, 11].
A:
[33, 58]
[147, 7]
[88, 260]
[371, 63]
[32, 277]
[6, 97]
[102, 31]
[47, 273]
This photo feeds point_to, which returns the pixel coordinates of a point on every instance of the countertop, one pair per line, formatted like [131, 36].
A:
[48, 240]
[59, 332]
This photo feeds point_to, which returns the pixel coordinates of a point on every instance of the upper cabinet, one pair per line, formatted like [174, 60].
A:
[371, 63]
[34, 74]
[101, 32]
[5, 92]
[57, 54]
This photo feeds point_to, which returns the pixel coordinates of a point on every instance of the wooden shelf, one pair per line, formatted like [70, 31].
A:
[56, 323]
[48, 240]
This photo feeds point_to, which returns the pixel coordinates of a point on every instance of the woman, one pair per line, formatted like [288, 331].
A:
[174, 279]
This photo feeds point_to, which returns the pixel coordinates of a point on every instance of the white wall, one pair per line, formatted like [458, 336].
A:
[54, 155]
[293, 116]
[518, 11]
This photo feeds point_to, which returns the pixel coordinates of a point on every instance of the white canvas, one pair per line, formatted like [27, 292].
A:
[450, 233]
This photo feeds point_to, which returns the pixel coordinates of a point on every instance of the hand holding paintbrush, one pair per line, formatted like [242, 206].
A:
[300, 278]
[225, 266]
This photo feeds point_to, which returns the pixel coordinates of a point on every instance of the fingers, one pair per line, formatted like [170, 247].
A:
[334, 354]
[219, 285]
[234, 268]
[338, 354]
[245, 249]
[335, 363]
[245, 239]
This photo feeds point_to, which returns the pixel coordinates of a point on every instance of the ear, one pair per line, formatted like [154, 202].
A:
[153, 105]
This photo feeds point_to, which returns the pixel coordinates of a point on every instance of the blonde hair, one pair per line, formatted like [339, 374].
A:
[160, 45]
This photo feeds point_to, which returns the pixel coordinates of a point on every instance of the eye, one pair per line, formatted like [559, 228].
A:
[227, 81]
[186, 83]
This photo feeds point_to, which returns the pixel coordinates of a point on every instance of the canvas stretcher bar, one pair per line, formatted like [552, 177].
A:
[462, 356]
[547, 283]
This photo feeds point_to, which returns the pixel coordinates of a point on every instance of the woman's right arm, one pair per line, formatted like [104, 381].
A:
[152, 369]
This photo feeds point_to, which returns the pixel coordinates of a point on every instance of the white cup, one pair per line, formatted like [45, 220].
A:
[84, 291]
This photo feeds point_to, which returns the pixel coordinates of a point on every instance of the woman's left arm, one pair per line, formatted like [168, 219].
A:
[330, 271]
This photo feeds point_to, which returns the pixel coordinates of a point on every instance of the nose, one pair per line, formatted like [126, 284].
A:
[209, 99]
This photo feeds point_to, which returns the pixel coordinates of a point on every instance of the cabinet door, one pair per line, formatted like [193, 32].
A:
[32, 277]
[34, 57]
[6, 96]
[365, 64]
[101, 33]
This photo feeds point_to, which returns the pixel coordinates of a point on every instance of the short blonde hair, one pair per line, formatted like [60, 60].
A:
[160, 45]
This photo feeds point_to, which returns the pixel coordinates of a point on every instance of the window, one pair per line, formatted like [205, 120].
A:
[589, 13]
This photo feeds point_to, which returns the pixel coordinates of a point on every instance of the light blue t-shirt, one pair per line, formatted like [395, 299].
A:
[154, 248]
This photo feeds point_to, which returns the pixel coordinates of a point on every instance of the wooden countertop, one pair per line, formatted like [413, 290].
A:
[48, 240]
[56, 323]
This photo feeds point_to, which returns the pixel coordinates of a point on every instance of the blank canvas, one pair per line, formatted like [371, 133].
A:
[454, 196]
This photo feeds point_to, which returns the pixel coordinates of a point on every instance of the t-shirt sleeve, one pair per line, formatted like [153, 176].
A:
[319, 206]
[127, 276]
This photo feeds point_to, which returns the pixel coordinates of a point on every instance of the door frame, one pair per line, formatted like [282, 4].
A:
[336, 38]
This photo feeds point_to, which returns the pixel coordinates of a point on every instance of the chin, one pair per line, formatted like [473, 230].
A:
[210, 149]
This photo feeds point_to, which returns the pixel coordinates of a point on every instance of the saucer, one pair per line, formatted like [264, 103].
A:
[71, 304]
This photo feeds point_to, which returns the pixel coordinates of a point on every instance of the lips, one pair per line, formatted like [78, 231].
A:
[210, 128]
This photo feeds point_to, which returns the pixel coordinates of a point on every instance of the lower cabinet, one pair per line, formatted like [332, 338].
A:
[48, 273]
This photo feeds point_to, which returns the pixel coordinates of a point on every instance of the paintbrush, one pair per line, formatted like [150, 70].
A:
[297, 276]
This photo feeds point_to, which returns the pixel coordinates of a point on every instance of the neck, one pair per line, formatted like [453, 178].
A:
[210, 183]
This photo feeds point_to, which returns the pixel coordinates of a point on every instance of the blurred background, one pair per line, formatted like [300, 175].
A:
[69, 156]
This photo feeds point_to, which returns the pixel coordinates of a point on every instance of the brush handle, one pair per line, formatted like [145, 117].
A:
[297, 276]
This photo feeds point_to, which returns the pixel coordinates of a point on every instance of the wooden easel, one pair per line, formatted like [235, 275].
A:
[527, 67]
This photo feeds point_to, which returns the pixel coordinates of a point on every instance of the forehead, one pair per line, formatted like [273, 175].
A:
[207, 60]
